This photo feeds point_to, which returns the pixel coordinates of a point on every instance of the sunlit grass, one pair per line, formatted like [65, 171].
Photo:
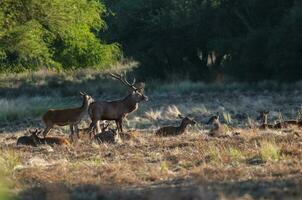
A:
[269, 151]
[31, 107]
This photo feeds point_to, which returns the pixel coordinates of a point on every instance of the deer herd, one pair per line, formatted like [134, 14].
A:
[101, 112]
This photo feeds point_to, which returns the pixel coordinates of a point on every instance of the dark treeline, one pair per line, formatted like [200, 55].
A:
[245, 40]
[241, 40]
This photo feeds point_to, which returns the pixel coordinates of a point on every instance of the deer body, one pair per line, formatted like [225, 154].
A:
[284, 124]
[116, 110]
[287, 123]
[54, 141]
[173, 131]
[48, 140]
[26, 140]
[108, 136]
[218, 129]
[263, 117]
[63, 117]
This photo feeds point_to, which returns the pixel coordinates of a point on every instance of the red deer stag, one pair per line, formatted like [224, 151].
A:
[116, 110]
[69, 116]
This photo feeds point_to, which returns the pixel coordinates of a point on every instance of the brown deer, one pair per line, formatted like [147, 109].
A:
[47, 140]
[218, 129]
[284, 124]
[116, 110]
[263, 117]
[108, 136]
[26, 140]
[69, 116]
[173, 131]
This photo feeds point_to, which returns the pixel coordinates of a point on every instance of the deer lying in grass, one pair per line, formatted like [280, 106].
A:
[173, 131]
[219, 129]
[116, 110]
[26, 140]
[107, 135]
[69, 116]
[47, 140]
[112, 136]
[284, 124]
[263, 117]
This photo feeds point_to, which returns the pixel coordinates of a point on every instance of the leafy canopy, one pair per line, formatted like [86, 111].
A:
[54, 34]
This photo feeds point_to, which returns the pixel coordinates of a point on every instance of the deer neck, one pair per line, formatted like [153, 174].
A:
[264, 120]
[216, 125]
[84, 104]
[182, 127]
[130, 104]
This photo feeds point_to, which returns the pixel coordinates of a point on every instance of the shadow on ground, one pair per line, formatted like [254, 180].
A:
[289, 188]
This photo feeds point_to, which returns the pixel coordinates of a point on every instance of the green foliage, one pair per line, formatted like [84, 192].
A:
[235, 154]
[214, 154]
[269, 151]
[227, 117]
[55, 34]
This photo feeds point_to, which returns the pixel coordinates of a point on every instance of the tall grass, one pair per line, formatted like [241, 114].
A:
[9, 159]
[269, 151]
[31, 107]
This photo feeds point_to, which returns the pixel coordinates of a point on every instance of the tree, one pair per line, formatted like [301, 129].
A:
[55, 34]
[247, 40]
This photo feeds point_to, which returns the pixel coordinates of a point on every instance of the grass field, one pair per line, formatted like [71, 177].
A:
[257, 164]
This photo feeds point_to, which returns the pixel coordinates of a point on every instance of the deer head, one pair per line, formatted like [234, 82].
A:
[87, 98]
[137, 93]
[188, 121]
[34, 135]
[213, 119]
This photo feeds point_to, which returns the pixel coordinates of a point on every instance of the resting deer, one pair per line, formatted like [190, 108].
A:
[69, 116]
[284, 124]
[116, 110]
[218, 129]
[47, 140]
[26, 140]
[173, 131]
[108, 136]
[263, 117]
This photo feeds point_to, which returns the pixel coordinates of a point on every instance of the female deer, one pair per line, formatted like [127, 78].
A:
[69, 116]
[173, 131]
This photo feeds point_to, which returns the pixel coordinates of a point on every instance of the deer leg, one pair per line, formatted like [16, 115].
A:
[72, 132]
[77, 130]
[92, 128]
[120, 121]
[117, 125]
[97, 127]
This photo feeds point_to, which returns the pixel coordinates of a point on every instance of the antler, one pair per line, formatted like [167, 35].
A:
[123, 79]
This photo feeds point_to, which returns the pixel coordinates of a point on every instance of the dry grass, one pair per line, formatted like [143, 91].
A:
[150, 160]
[192, 166]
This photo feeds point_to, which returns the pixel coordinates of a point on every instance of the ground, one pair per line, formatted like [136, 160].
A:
[256, 164]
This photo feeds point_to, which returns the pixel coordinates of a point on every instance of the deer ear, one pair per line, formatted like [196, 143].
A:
[81, 93]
